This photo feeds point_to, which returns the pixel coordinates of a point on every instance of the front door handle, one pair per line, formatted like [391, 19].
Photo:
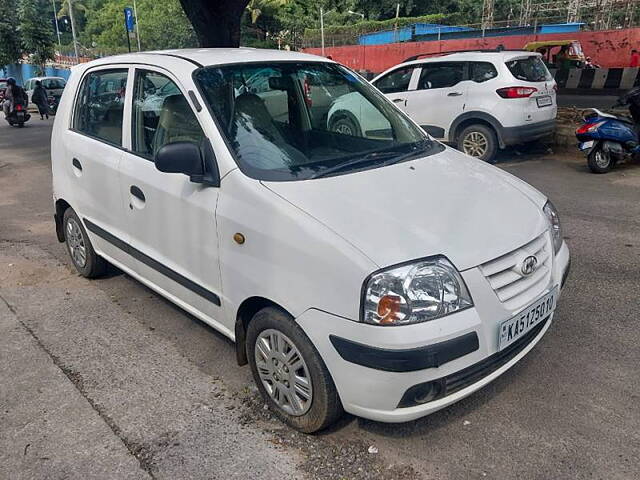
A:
[398, 100]
[454, 94]
[76, 163]
[137, 199]
[136, 192]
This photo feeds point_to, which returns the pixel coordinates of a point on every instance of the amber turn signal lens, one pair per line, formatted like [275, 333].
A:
[388, 308]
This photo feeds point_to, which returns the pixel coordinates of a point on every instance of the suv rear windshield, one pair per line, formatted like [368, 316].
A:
[295, 121]
[529, 69]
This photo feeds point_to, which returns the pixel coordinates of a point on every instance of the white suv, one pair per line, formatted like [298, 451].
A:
[479, 101]
[385, 274]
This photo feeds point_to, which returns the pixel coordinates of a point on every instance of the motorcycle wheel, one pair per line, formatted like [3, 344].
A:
[599, 161]
[20, 125]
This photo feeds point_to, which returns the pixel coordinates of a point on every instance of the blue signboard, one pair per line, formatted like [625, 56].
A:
[129, 19]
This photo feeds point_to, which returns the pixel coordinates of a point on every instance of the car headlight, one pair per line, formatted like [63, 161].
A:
[554, 222]
[414, 292]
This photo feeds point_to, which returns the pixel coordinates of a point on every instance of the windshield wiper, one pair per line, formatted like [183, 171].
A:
[394, 155]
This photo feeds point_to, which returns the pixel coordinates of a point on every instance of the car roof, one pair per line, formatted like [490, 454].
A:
[473, 55]
[213, 56]
[45, 78]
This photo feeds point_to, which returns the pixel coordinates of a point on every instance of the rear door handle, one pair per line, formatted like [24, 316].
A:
[398, 100]
[454, 94]
[76, 163]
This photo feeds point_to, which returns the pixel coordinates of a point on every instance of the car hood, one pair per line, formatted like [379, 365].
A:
[446, 203]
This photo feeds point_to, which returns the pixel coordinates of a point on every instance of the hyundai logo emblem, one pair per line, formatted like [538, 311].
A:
[529, 265]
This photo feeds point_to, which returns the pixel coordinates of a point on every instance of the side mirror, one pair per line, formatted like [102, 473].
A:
[187, 158]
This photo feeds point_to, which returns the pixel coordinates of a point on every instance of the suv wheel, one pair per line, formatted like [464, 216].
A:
[82, 254]
[478, 141]
[346, 126]
[291, 376]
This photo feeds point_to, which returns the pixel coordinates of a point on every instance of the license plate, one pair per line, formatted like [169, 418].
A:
[544, 101]
[586, 145]
[516, 327]
[20, 115]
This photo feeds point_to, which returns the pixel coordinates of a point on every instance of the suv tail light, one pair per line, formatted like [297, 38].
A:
[516, 92]
[18, 108]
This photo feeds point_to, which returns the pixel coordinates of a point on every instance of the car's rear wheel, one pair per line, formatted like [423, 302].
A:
[599, 161]
[289, 372]
[346, 126]
[82, 254]
[479, 141]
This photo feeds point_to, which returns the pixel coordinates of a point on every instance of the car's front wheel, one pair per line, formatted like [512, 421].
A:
[290, 374]
[478, 141]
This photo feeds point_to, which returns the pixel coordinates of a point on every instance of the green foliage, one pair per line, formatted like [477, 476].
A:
[162, 25]
[9, 38]
[36, 33]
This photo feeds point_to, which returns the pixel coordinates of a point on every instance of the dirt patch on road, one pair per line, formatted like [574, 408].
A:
[325, 459]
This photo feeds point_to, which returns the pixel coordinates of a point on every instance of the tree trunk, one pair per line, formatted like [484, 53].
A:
[216, 22]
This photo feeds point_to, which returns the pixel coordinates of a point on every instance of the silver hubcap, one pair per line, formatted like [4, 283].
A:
[283, 372]
[75, 241]
[343, 128]
[475, 144]
[602, 159]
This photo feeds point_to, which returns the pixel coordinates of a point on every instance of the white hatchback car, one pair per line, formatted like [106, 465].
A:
[387, 274]
[479, 100]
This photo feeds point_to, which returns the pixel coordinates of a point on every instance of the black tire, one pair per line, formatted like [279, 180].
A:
[599, 161]
[481, 142]
[93, 266]
[346, 126]
[325, 406]
[20, 125]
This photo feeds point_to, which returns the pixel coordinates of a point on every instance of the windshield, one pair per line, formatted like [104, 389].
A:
[529, 69]
[53, 83]
[293, 121]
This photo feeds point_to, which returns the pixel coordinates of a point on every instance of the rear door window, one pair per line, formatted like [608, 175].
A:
[529, 69]
[396, 81]
[482, 71]
[441, 75]
[100, 105]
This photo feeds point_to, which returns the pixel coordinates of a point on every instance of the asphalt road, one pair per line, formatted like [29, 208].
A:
[105, 379]
[601, 102]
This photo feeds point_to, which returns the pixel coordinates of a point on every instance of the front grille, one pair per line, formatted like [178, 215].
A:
[513, 288]
[464, 378]
[440, 388]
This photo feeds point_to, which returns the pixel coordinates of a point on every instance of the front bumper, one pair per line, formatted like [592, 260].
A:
[527, 133]
[369, 391]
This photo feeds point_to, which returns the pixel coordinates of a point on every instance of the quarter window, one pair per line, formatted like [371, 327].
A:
[396, 81]
[161, 115]
[482, 71]
[440, 75]
[100, 105]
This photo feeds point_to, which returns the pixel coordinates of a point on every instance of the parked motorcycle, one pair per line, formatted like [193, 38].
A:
[609, 139]
[18, 116]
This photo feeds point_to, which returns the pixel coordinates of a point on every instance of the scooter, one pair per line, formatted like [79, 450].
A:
[18, 116]
[608, 139]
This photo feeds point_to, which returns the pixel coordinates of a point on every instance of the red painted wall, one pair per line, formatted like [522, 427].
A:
[608, 48]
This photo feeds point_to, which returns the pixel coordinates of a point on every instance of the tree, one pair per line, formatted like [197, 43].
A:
[35, 31]
[9, 38]
[217, 22]
[162, 25]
